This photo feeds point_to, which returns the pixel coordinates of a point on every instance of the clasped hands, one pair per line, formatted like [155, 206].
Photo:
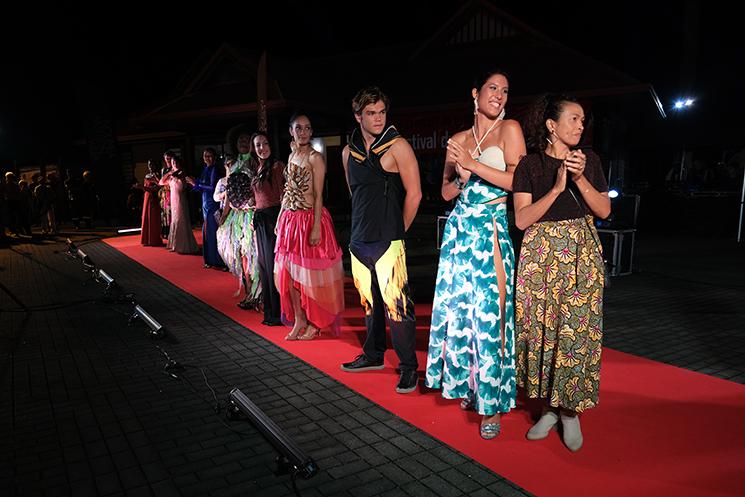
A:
[574, 163]
[465, 164]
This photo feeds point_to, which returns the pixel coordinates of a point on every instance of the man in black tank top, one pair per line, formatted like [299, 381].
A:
[383, 178]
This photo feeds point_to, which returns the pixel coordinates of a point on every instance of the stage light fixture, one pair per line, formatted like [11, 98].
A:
[129, 230]
[102, 275]
[73, 252]
[85, 258]
[612, 193]
[156, 329]
[291, 457]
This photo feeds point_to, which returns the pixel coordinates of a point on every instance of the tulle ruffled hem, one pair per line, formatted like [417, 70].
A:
[315, 271]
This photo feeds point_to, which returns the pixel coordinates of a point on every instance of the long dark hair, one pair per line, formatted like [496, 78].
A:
[265, 173]
[180, 173]
[547, 106]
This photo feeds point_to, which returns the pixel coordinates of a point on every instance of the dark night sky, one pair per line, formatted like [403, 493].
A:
[135, 55]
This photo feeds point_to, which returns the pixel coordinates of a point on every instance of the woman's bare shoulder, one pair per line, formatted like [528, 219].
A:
[461, 136]
[510, 124]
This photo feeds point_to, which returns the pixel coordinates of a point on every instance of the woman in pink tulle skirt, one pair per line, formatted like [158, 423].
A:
[307, 270]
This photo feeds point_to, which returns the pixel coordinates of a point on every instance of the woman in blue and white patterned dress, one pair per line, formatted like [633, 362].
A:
[471, 343]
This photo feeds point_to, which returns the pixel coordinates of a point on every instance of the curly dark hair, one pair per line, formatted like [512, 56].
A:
[547, 106]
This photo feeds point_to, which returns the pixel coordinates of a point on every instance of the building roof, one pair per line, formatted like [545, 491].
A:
[436, 73]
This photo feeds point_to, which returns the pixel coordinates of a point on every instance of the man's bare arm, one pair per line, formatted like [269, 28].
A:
[344, 162]
[408, 168]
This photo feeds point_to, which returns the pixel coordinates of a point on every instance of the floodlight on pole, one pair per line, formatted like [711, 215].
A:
[291, 457]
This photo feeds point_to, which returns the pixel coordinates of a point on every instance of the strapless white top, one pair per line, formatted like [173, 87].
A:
[493, 157]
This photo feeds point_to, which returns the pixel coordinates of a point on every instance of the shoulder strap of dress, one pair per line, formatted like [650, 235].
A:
[479, 142]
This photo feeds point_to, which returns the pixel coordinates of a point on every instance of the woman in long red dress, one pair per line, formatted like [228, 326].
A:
[151, 225]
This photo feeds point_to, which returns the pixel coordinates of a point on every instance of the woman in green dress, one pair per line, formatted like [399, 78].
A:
[471, 343]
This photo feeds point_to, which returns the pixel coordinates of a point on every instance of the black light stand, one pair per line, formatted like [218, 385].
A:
[102, 276]
[156, 329]
[291, 459]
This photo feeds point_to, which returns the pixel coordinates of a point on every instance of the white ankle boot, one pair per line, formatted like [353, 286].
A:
[572, 432]
[541, 429]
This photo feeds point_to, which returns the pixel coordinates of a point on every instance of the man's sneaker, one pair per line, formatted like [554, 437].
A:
[407, 381]
[362, 363]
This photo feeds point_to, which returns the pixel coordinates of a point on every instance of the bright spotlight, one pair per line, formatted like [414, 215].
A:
[318, 145]
[291, 457]
[612, 193]
[683, 103]
[156, 329]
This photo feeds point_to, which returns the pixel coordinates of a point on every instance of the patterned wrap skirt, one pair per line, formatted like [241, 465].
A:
[468, 355]
[316, 272]
[559, 313]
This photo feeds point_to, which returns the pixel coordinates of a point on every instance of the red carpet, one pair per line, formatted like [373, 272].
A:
[658, 431]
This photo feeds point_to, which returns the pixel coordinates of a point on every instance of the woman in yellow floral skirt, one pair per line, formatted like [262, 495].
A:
[559, 280]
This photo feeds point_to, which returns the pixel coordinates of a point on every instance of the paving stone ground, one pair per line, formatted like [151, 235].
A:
[87, 408]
